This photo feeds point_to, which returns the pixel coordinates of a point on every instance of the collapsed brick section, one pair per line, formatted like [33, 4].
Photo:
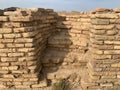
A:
[23, 38]
[67, 47]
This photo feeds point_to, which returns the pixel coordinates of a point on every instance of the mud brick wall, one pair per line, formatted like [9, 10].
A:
[23, 38]
[35, 40]
[103, 65]
[70, 41]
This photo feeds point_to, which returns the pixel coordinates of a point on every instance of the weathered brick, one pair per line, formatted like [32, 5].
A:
[6, 40]
[22, 86]
[12, 35]
[3, 54]
[8, 76]
[8, 59]
[116, 47]
[99, 32]
[3, 18]
[7, 50]
[104, 27]
[23, 40]
[15, 45]
[2, 45]
[112, 52]
[105, 16]
[21, 18]
[5, 30]
[26, 49]
[11, 24]
[100, 21]
[15, 54]
[4, 64]
[13, 67]
[29, 44]
[22, 29]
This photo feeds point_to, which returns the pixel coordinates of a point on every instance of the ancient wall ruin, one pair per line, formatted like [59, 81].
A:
[39, 47]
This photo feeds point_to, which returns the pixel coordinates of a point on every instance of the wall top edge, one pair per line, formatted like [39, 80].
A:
[14, 11]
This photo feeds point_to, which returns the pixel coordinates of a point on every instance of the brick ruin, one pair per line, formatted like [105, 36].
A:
[39, 47]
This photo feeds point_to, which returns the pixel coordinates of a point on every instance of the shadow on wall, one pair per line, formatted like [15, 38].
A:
[55, 55]
[66, 49]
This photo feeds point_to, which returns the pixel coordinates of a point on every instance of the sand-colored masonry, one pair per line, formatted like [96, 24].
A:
[40, 46]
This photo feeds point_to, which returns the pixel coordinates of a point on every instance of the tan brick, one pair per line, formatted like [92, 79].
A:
[1, 36]
[102, 56]
[21, 18]
[94, 41]
[5, 79]
[19, 71]
[2, 45]
[8, 76]
[6, 40]
[29, 45]
[102, 37]
[96, 51]
[118, 76]
[5, 30]
[12, 35]
[112, 32]
[4, 71]
[18, 63]
[3, 54]
[100, 21]
[31, 63]
[118, 26]
[15, 45]
[15, 54]
[29, 75]
[106, 84]
[3, 18]
[8, 59]
[24, 40]
[34, 79]
[26, 58]
[114, 65]
[26, 49]
[103, 47]
[104, 27]
[117, 42]
[20, 79]
[7, 50]
[28, 83]
[42, 84]
[116, 47]
[116, 56]
[32, 67]
[2, 86]
[11, 24]
[99, 32]
[109, 42]
[13, 67]
[31, 54]
[107, 15]
[108, 77]
[4, 68]
[28, 34]
[4, 64]
[22, 86]
[112, 52]
[17, 30]
[17, 83]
